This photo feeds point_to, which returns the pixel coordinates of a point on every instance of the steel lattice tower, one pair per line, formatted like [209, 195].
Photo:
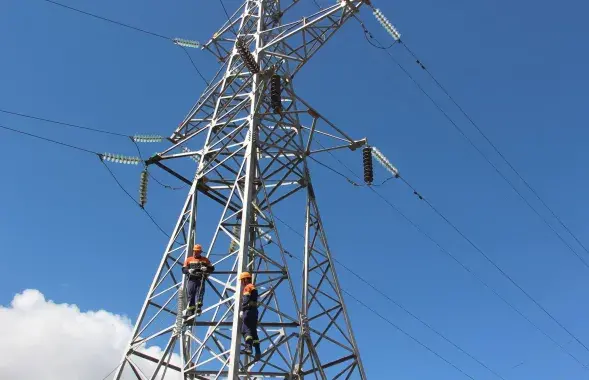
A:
[251, 136]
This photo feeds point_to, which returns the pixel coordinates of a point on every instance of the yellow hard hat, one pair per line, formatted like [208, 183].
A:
[245, 275]
[197, 247]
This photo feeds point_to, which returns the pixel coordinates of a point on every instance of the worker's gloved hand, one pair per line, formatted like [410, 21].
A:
[241, 314]
[192, 271]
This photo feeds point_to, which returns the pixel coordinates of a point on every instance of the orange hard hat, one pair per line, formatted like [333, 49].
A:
[197, 247]
[245, 275]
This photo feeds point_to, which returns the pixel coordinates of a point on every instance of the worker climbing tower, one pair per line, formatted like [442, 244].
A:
[252, 137]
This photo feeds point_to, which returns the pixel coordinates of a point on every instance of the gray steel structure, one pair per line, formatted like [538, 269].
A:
[253, 161]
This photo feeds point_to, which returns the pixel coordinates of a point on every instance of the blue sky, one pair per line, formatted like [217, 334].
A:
[518, 68]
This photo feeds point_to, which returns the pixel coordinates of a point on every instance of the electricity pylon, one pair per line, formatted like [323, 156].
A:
[256, 136]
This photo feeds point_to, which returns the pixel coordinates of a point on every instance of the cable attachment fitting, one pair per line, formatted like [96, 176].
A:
[304, 323]
[143, 180]
[247, 56]
[148, 138]
[367, 162]
[385, 162]
[276, 93]
[120, 159]
[193, 157]
[386, 24]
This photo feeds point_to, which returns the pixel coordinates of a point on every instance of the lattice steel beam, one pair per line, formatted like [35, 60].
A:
[252, 163]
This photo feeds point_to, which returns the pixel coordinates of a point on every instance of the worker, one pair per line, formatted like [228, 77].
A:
[249, 315]
[196, 268]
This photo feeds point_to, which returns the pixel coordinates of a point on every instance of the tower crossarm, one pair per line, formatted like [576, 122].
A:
[296, 41]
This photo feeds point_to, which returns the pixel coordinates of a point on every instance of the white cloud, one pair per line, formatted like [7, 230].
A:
[44, 340]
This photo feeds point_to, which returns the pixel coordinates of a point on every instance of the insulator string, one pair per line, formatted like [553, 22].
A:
[247, 57]
[367, 163]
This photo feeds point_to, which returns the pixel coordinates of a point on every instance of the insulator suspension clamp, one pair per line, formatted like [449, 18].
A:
[193, 157]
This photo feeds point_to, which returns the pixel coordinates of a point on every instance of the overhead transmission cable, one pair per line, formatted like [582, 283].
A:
[107, 20]
[182, 43]
[460, 263]
[402, 308]
[103, 157]
[397, 38]
[62, 123]
[49, 140]
[396, 303]
[114, 369]
[134, 139]
[169, 187]
[495, 148]
[490, 261]
[225, 10]
[409, 336]
[157, 225]
[388, 166]
[154, 34]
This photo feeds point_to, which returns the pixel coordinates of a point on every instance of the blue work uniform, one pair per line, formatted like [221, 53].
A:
[249, 306]
[196, 282]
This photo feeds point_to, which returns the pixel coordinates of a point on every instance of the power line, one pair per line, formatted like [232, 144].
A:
[194, 65]
[114, 369]
[150, 175]
[108, 20]
[119, 182]
[368, 36]
[93, 130]
[129, 27]
[101, 160]
[498, 172]
[62, 123]
[225, 10]
[408, 335]
[228, 18]
[490, 261]
[512, 186]
[478, 278]
[495, 148]
[133, 199]
[50, 140]
[163, 232]
[353, 183]
[465, 267]
[399, 305]
[383, 294]
[389, 321]
[485, 157]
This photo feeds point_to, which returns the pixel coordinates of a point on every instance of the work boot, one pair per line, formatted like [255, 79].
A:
[248, 348]
[257, 354]
[199, 308]
[188, 312]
